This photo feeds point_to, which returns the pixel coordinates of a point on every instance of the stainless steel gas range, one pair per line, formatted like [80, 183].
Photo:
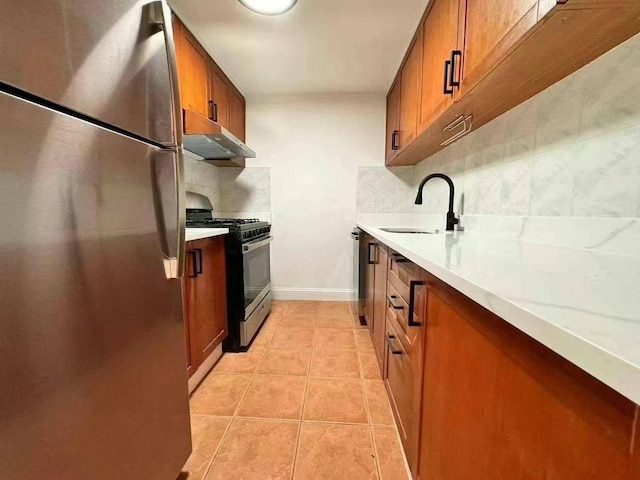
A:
[248, 259]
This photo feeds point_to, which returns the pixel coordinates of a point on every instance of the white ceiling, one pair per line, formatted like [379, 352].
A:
[320, 46]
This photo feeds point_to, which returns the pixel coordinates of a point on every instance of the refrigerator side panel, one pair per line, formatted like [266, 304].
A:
[104, 59]
[93, 364]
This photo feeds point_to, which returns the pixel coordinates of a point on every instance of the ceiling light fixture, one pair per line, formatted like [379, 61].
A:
[269, 7]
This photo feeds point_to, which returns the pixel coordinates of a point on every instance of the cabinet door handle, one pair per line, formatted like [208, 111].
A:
[453, 81]
[194, 265]
[370, 259]
[213, 111]
[392, 303]
[200, 270]
[394, 140]
[412, 301]
[447, 75]
[391, 347]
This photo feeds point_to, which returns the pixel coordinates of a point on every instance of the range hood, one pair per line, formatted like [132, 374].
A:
[211, 141]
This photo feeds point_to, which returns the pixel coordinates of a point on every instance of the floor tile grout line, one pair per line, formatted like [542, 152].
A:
[217, 450]
[293, 420]
[304, 402]
[253, 375]
[369, 416]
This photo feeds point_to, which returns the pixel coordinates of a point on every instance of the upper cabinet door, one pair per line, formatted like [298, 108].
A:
[237, 116]
[410, 92]
[219, 98]
[440, 31]
[393, 120]
[193, 65]
[493, 27]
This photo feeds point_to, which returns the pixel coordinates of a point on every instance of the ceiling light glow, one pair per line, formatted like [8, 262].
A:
[269, 7]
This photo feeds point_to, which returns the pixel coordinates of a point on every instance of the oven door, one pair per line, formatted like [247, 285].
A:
[257, 273]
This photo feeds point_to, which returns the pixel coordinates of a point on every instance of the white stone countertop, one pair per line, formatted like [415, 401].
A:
[200, 233]
[584, 305]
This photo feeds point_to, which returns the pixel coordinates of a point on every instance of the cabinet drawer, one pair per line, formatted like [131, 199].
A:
[399, 382]
[403, 268]
[397, 308]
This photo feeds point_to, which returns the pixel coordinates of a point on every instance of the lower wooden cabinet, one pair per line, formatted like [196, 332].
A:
[496, 404]
[205, 299]
[405, 317]
[376, 294]
[474, 398]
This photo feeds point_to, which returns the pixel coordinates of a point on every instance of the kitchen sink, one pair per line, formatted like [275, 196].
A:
[408, 230]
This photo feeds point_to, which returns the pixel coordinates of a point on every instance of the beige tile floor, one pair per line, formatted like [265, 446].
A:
[305, 403]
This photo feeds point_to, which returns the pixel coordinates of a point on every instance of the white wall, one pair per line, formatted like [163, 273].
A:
[314, 145]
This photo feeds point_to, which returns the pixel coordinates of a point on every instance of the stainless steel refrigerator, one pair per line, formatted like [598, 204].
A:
[93, 381]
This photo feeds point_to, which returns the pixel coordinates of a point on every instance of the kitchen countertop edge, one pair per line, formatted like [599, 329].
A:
[192, 234]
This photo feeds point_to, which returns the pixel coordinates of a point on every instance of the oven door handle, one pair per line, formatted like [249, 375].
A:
[249, 247]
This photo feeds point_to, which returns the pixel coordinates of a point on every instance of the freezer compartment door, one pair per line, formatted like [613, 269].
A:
[93, 363]
[105, 59]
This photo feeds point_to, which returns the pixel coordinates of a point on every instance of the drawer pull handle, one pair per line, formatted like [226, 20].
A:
[393, 304]
[399, 258]
[412, 301]
[391, 348]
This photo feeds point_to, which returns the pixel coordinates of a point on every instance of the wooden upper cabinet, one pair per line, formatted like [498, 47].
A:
[219, 97]
[393, 121]
[204, 88]
[410, 92]
[193, 69]
[492, 29]
[237, 115]
[440, 32]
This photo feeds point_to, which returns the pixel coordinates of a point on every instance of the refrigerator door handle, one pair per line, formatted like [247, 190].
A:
[160, 16]
[169, 196]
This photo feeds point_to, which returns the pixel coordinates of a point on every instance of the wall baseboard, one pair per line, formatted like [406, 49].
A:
[346, 295]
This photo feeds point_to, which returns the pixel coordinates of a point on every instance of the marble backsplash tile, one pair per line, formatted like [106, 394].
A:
[234, 192]
[384, 190]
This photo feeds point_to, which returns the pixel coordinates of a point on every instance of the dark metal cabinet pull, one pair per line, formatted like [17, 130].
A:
[392, 303]
[398, 258]
[194, 265]
[412, 301]
[391, 347]
[213, 111]
[447, 75]
[452, 80]
[370, 258]
[200, 267]
[394, 140]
